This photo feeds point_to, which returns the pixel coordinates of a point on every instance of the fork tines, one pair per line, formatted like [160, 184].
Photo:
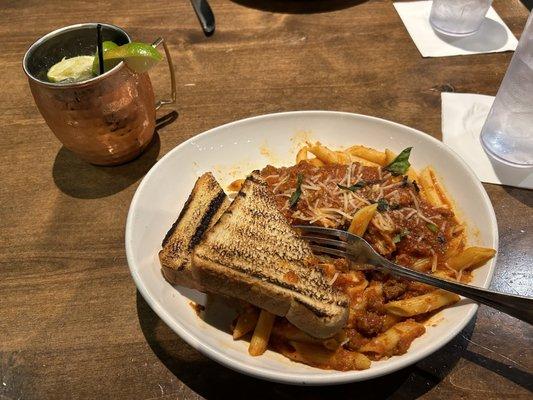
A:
[323, 240]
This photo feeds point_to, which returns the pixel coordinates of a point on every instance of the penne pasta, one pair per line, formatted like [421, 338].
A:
[361, 219]
[372, 294]
[284, 329]
[236, 185]
[441, 192]
[421, 304]
[343, 158]
[287, 331]
[355, 291]
[455, 246]
[412, 175]
[369, 154]
[470, 257]
[395, 340]
[389, 320]
[316, 162]
[246, 322]
[334, 343]
[422, 264]
[259, 342]
[301, 155]
[361, 160]
[445, 274]
[341, 359]
[433, 190]
[389, 156]
[328, 156]
[428, 188]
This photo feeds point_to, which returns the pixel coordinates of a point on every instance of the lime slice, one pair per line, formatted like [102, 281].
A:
[106, 46]
[139, 57]
[75, 69]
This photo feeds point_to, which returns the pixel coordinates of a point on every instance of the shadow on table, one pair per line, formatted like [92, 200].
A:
[79, 179]
[491, 36]
[518, 376]
[211, 380]
[299, 6]
[513, 175]
[524, 196]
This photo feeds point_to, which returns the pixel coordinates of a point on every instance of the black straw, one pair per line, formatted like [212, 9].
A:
[100, 50]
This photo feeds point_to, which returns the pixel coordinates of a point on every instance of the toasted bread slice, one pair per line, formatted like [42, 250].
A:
[205, 205]
[252, 253]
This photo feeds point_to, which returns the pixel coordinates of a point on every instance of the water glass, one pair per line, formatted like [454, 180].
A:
[508, 131]
[458, 17]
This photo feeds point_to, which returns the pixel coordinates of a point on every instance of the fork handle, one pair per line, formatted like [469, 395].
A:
[520, 307]
[205, 16]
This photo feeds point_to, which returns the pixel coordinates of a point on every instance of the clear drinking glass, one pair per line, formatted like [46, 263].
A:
[508, 131]
[458, 17]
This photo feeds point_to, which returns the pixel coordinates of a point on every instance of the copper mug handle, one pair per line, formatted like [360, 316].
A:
[172, 99]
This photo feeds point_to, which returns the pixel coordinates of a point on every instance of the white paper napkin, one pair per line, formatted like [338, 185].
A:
[493, 36]
[463, 116]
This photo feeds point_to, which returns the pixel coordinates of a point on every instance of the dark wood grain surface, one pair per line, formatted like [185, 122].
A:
[72, 324]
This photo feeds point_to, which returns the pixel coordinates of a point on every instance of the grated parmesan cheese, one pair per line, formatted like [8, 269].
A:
[281, 182]
[332, 281]
[433, 262]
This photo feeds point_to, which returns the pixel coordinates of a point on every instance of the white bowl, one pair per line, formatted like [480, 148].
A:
[235, 149]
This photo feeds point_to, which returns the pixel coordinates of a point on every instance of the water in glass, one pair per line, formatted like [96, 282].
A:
[458, 17]
[508, 130]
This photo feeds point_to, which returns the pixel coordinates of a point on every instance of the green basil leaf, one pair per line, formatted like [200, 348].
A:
[400, 164]
[298, 192]
[383, 205]
[432, 227]
[400, 236]
[354, 187]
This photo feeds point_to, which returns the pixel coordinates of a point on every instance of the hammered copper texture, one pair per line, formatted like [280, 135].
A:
[106, 122]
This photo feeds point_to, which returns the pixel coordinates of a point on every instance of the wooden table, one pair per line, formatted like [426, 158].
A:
[72, 324]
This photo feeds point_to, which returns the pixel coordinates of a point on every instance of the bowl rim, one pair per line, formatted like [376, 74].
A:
[328, 378]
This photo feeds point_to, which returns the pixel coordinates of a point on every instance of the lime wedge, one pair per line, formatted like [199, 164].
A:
[106, 46]
[75, 69]
[139, 57]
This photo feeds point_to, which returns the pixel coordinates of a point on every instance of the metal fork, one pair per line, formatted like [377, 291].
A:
[346, 245]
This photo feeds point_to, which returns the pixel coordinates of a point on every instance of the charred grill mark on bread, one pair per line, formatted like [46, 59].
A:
[315, 310]
[205, 222]
[175, 224]
[202, 209]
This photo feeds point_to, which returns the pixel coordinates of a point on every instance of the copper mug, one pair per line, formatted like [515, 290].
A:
[106, 120]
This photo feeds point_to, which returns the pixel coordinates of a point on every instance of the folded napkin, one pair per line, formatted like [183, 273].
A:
[493, 36]
[463, 116]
